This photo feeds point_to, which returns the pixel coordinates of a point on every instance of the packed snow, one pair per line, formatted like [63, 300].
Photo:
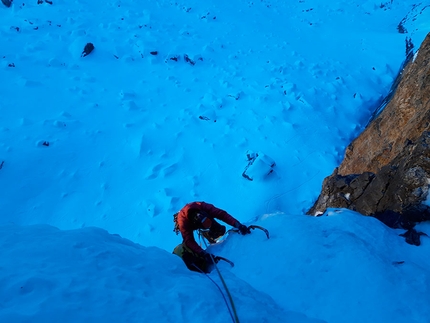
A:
[247, 105]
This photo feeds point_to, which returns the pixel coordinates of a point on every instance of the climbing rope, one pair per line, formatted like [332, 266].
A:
[235, 318]
[220, 290]
[203, 239]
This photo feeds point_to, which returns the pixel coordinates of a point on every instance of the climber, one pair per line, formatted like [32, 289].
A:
[201, 216]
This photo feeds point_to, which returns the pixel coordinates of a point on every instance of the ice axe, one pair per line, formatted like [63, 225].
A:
[218, 258]
[253, 227]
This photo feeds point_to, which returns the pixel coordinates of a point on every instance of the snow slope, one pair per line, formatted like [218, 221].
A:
[88, 275]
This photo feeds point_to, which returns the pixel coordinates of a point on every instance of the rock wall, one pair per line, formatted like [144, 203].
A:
[386, 170]
[402, 121]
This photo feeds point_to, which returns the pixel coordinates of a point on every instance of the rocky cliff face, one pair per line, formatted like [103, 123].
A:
[386, 170]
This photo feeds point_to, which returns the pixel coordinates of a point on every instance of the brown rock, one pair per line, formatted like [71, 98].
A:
[386, 170]
[403, 120]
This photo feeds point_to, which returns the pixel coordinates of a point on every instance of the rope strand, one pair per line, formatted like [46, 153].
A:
[236, 318]
[219, 288]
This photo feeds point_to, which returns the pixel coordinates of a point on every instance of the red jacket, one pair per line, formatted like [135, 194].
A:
[187, 227]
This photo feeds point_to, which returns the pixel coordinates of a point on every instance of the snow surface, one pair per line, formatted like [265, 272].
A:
[98, 152]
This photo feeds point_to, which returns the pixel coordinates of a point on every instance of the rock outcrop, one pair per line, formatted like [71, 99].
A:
[386, 170]
[7, 3]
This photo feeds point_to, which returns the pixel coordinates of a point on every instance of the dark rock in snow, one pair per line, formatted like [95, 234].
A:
[87, 49]
[7, 3]
[413, 237]
[189, 60]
